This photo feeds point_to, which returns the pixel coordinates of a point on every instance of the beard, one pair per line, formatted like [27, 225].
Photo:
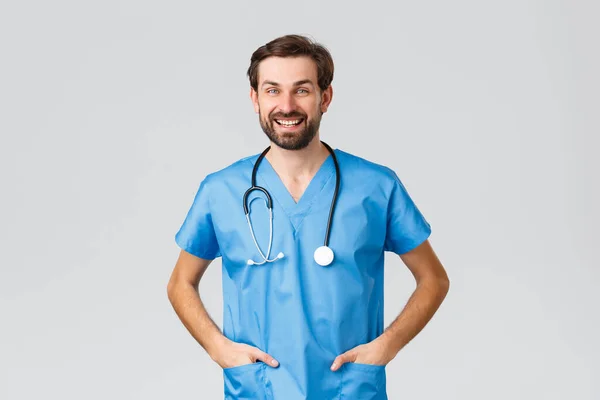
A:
[290, 140]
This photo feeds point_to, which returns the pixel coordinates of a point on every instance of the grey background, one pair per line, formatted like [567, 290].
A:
[112, 112]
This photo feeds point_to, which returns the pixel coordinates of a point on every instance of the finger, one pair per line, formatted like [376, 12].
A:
[342, 359]
[267, 359]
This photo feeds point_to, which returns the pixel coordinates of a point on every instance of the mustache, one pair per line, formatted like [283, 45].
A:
[288, 115]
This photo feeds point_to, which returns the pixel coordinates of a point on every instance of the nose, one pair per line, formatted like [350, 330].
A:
[287, 103]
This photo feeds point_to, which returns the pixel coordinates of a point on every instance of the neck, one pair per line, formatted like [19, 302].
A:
[298, 163]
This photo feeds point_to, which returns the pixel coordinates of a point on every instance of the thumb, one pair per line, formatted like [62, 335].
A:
[340, 360]
[264, 357]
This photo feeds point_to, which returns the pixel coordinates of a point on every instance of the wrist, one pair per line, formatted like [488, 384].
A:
[215, 345]
[387, 345]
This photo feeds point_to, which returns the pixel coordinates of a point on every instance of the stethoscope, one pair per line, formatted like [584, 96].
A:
[323, 255]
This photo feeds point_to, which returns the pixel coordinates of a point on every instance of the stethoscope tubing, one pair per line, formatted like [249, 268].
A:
[269, 203]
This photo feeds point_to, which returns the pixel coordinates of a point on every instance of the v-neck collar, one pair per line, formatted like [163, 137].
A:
[281, 195]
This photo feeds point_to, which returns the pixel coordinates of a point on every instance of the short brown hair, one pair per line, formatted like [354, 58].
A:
[294, 46]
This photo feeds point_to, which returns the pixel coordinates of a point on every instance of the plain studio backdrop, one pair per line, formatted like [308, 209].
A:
[113, 112]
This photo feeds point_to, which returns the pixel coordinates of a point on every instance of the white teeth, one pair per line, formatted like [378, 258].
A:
[288, 123]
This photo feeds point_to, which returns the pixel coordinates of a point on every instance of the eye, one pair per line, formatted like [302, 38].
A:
[302, 91]
[272, 91]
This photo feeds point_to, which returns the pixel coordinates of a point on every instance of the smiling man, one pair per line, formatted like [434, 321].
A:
[298, 128]
[307, 323]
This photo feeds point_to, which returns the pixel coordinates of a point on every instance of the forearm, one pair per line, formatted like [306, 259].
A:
[186, 302]
[419, 309]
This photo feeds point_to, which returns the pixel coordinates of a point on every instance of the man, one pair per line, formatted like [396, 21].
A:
[304, 324]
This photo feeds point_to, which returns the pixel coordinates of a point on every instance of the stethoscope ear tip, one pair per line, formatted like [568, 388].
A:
[250, 262]
[280, 255]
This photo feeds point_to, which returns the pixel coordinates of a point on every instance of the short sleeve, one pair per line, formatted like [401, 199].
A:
[406, 226]
[197, 234]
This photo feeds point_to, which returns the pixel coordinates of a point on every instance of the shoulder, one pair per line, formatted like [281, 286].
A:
[238, 170]
[360, 168]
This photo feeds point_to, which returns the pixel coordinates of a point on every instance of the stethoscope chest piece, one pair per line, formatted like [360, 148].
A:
[323, 256]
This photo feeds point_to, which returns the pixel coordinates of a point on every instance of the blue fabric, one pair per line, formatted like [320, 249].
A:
[299, 312]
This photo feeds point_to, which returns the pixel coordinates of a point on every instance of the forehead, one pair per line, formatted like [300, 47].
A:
[286, 70]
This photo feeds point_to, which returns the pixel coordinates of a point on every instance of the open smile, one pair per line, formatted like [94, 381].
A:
[289, 122]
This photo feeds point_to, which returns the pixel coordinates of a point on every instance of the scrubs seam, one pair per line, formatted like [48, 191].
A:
[270, 189]
[187, 244]
[424, 231]
[231, 321]
[314, 199]
[296, 209]
[266, 382]
[212, 223]
[414, 243]
[264, 178]
[340, 394]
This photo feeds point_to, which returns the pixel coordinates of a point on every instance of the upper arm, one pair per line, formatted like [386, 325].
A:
[197, 234]
[197, 239]
[407, 235]
[406, 227]
[188, 269]
[423, 263]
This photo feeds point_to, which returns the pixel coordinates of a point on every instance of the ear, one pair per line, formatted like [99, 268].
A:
[326, 97]
[254, 98]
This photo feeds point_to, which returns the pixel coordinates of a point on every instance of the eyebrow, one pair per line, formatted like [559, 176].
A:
[297, 83]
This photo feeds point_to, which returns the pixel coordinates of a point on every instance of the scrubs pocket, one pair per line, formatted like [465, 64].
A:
[246, 382]
[363, 382]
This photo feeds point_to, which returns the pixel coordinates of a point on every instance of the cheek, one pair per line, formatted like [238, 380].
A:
[313, 111]
[264, 116]
[314, 106]
[266, 108]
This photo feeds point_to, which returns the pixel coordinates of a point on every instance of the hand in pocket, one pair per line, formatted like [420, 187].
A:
[374, 353]
[232, 354]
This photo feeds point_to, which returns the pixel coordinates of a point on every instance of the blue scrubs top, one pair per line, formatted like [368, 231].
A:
[301, 313]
